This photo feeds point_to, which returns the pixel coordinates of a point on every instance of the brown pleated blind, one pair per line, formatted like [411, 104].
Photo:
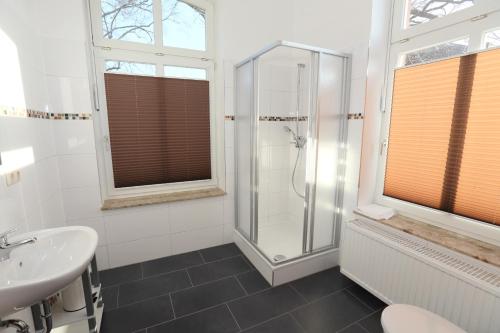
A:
[159, 129]
[444, 142]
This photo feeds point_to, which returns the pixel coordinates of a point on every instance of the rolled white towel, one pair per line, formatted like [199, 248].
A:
[376, 212]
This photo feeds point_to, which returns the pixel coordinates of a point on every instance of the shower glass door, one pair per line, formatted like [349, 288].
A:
[283, 108]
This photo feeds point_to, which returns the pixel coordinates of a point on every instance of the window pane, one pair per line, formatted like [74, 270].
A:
[128, 20]
[420, 11]
[444, 142]
[185, 72]
[183, 25]
[492, 39]
[136, 68]
[436, 52]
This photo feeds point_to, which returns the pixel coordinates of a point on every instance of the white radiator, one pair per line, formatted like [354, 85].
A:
[400, 268]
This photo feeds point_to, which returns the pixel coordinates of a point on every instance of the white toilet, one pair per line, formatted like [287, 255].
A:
[404, 318]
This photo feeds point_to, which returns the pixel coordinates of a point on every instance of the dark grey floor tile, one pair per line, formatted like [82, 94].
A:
[356, 328]
[372, 323]
[151, 287]
[331, 313]
[320, 284]
[207, 295]
[170, 264]
[220, 252]
[119, 275]
[110, 298]
[254, 309]
[366, 297]
[217, 270]
[137, 316]
[213, 320]
[253, 281]
[283, 324]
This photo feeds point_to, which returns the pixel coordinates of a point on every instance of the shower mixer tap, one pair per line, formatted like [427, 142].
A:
[298, 140]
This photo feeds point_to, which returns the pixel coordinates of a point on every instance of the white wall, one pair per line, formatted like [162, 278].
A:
[35, 202]
[61, 187]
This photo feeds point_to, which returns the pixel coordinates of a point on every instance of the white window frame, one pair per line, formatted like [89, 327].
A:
[413, 40]
[103, 50]
[157, 45]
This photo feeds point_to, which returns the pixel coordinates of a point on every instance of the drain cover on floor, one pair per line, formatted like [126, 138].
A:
[279, 257]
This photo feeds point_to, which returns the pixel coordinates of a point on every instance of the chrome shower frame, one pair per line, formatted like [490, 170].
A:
[312, 132]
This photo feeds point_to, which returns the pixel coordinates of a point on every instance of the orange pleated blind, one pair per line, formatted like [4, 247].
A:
[444, 140]
[159, 129]
[478, 188]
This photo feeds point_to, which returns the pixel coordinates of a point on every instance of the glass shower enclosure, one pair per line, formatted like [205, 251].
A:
[291, 103]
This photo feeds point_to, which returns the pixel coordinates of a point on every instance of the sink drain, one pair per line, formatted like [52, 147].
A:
[279, 257]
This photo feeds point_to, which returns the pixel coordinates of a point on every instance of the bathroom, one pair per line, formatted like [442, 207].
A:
[249, 166]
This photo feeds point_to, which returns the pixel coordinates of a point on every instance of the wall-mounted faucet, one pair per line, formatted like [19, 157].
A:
[6, 247]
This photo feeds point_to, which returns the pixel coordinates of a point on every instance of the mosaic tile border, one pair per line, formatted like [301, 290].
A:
[273, 118]
[355, 116]
[18, 112]
[350, 116]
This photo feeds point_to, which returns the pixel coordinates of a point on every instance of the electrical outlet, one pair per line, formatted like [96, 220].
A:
[13, 177]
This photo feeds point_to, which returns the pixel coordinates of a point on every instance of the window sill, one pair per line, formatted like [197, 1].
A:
[468, 246]
[152, 199]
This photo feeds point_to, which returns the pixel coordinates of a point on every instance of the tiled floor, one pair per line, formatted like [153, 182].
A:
[218, 290]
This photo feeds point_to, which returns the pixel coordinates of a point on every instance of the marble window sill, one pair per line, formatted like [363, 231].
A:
[485, 252]
[151, 199]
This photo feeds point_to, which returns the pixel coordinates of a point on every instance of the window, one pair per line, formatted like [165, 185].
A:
[183, 25]
[443, 50]
[421, 11]
[154, 77]
[492, 39]
[434, 165]
[130, 21]
[444, 140]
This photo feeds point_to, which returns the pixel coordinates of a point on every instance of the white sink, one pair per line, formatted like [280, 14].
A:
[37, 270]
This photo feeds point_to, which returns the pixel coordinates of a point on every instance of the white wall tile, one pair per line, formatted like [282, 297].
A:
[74, 137]
[136, 223]
[197, 239]
[53, 211]
[47, 174]
[195, 214]
[78, 171]
[228, 233]
[65, 57]
[139, 250]
[69, 94]
[82, 203]
[101, 254]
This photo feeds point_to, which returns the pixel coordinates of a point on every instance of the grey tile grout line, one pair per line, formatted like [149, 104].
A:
[241, 285]
[234, 318]
[362, 302]
[189, 277]
[359, 321]
[351, 325]
[172, 305]
[297, 321]
[202, 257]
[298, 293]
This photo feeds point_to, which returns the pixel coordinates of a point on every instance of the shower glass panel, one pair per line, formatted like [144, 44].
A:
[290, 132]
[330, 161]
[283, 109]
[243, 140]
